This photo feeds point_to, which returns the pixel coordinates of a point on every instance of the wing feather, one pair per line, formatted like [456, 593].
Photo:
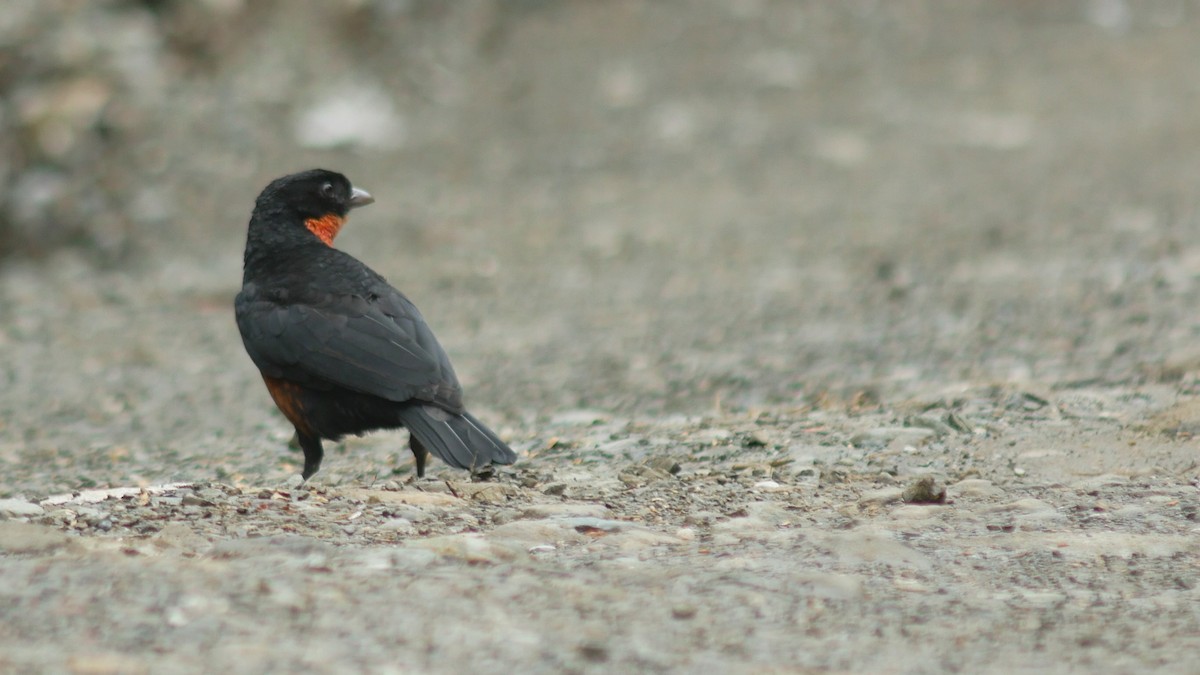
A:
[380, 346]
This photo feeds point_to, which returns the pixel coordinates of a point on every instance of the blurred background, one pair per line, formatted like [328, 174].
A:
[644, 208]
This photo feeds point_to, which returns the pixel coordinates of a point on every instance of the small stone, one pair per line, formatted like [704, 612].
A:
[924, 490]
[712, 436]
[638, 475]
[19, 508]
[881, 497]
[666, 464]
[975, 487]
[488, 493]
[399, 526]
[931, 422]
[683, 612]
[884, 436]
[757, 439]
[595, 525]
[1027, 505]
[594, 651]
[195, 500]
[538, 511]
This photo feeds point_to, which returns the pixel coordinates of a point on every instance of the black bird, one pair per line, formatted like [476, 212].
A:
[341, 351]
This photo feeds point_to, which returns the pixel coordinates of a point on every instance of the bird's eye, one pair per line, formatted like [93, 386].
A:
[327, 190]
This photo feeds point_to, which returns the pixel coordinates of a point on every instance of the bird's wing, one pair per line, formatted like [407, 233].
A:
[378, 345]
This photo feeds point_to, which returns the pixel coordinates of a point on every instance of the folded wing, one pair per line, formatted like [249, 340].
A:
[379, 346]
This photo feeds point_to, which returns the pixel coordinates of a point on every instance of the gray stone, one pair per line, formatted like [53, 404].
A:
[883, 436]
[19, 508]
[565, 510]
[889, 495]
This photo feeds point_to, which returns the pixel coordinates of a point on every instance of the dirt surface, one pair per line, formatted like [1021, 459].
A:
[833, 337]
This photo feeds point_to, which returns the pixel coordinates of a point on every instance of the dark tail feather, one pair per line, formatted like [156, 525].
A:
[461, 441]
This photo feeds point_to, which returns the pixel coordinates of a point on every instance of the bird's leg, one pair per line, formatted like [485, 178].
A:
[313, 453]
[419, 453]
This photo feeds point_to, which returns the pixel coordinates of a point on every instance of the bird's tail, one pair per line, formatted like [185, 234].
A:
[461, 441]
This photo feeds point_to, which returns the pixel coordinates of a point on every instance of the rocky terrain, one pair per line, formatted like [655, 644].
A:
[832, 337]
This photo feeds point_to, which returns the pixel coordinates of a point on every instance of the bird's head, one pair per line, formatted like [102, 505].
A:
[318, 199]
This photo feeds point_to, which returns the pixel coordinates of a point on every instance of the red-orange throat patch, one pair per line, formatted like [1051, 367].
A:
[326, 227]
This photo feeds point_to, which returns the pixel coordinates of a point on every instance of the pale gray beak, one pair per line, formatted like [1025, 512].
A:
[360, 198]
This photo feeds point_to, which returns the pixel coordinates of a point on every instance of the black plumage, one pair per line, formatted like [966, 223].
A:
[341, 351]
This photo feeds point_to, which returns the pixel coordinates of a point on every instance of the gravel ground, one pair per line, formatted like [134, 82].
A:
[853, 337]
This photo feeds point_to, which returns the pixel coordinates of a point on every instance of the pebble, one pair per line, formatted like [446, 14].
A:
[586, 524]
[640, 475]
[195, 500]
[663, 463]
[410, 513]
[924, 490]
[758, 439]
[1027, 505]
[712, 436]
[488, 493]
[889, 495]
[975, 487]
[932, 422]
[883, 436]
[566, 510]
[399, 526]
[683, 612]
[19, 508]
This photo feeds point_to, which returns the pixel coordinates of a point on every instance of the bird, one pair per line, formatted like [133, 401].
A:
[340, 350]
